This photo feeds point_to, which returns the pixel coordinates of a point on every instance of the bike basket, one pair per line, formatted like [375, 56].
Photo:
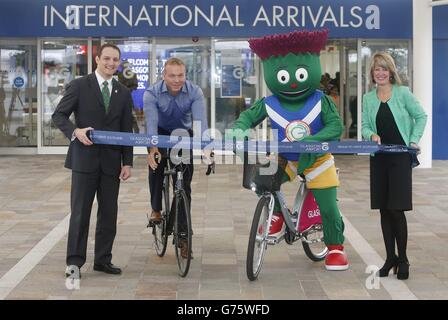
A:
[262, 176]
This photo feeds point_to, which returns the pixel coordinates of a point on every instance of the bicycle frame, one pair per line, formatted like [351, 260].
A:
[304, 217]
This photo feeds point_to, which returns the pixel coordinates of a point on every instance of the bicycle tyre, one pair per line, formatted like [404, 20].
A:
[160, 230]
[183, 263]
[316, 252]
[253, 268]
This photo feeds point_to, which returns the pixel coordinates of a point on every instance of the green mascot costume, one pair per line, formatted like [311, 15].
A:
[300, 112]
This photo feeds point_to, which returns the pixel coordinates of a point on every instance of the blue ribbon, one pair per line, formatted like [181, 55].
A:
[186, 142]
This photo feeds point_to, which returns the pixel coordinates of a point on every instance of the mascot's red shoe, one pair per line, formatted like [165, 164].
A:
[277, 228]
[336, 259]
[277, 225]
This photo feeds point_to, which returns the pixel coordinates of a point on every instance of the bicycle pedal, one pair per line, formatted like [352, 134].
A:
[153, 224]
[273, 240]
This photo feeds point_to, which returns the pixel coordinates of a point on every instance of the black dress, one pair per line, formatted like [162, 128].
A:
[390, 174]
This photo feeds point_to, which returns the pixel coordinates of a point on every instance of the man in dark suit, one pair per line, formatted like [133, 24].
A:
[102, 103]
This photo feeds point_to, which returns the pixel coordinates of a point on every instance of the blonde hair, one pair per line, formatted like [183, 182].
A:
[173, 62]
[385, 60]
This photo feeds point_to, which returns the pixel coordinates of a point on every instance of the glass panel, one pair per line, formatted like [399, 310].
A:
[96, 43]
[236, 81]
[134, 73]
[398, 50]
[196, 56]
[18, 95]
[62, 62]
[351, 91]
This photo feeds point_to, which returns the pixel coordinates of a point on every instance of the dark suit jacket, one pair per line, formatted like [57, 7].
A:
[83, 98]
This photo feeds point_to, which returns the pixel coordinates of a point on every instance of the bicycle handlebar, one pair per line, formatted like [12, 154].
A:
[211, 166]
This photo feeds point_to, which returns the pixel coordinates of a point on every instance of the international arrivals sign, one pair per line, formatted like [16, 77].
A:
[204, 18]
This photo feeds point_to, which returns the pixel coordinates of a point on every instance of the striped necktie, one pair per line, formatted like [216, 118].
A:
[106, 95]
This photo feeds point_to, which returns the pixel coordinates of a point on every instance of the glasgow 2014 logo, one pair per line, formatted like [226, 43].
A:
[297, 130]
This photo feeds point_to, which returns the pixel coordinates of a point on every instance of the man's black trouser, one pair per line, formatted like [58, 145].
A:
[156, 181]
[84, 188]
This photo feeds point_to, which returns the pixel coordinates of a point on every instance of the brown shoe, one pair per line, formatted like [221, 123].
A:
[156, 216]
[184, 248]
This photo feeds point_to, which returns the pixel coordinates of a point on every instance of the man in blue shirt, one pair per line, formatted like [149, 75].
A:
[170, 104]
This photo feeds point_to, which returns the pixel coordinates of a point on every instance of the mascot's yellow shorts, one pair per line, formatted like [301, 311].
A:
[322, 174]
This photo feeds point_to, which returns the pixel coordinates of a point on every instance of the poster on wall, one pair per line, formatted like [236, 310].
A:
[231, 72]
[135, 58]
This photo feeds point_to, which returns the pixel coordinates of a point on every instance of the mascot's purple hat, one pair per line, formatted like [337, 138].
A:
[293, 42]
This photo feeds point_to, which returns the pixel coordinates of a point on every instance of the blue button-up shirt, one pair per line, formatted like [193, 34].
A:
[174, 112]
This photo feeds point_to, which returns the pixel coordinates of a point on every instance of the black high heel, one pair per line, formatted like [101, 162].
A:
[403, 271]
[389, 264]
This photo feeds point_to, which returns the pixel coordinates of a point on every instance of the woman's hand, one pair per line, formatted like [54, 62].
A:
[376, 138]
[415, 146]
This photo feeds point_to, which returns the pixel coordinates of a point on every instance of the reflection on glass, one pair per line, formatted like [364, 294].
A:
[399, 52]
[134, 73]
[351, 94]
[62, 62]
[196, 57]
[18, 99]
[236, 81]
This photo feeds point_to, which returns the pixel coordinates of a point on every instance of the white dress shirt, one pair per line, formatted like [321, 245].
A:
[100, 80]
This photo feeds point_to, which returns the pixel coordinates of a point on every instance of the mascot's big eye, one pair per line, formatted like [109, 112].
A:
[301, 74]
[283, 76]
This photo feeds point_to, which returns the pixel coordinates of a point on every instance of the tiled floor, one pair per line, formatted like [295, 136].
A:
[34, 201]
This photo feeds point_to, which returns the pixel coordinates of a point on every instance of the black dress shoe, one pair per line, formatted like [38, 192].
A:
[107, 268]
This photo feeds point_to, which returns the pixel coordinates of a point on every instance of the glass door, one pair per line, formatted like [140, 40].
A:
[62, 62]
[399, 50]
[18, 93]
[196, 54]
[236, 81]
[349, 89]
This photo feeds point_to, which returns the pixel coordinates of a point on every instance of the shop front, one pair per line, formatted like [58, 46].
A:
[53, 42]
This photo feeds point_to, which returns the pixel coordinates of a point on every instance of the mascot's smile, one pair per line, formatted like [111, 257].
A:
[295, 93]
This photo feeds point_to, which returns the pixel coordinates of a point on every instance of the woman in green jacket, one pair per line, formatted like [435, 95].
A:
[391, 115]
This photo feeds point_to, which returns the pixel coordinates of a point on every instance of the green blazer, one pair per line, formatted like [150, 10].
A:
[407, 111]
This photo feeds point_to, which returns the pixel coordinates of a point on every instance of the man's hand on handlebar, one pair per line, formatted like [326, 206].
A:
[154, 157]
[210, 156]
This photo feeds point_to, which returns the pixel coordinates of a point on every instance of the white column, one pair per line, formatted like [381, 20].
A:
[422, 64]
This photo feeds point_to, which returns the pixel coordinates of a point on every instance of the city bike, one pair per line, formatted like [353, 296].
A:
[303, 222]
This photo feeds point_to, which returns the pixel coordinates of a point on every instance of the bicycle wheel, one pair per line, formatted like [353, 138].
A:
[257, 239]
[182, 237]
[313, 243]
[160, 230]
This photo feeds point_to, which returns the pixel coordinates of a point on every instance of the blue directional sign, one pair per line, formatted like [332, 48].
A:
[19, 82]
